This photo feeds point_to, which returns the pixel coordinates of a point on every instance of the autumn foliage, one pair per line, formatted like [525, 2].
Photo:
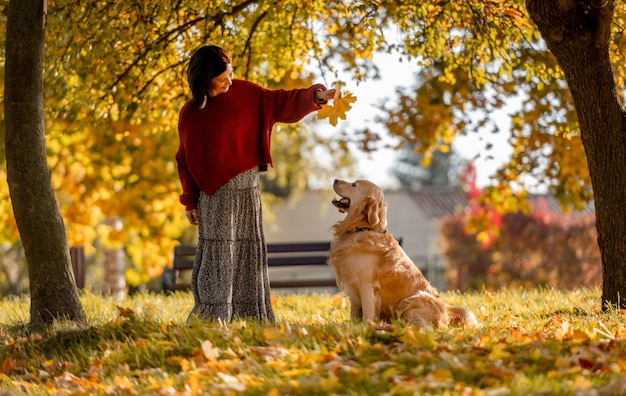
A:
[114, 83]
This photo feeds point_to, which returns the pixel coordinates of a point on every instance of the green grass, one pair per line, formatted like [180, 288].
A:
[531, 342]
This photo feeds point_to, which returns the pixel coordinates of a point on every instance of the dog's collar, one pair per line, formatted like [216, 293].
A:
[369, 229]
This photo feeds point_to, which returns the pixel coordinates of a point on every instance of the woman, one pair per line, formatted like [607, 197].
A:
[225, 132]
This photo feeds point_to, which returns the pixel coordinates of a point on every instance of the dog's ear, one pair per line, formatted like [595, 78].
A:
[372, 211]
[376, 212]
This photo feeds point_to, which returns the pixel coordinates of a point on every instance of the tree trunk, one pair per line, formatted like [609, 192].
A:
[577, 32]
[52, 288]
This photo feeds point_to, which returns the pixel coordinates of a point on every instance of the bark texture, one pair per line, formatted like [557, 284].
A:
[577, 32]
[52, 288]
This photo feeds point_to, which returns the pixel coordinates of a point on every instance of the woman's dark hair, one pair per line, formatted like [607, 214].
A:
[206, 63]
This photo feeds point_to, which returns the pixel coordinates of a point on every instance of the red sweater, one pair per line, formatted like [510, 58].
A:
[232, 134]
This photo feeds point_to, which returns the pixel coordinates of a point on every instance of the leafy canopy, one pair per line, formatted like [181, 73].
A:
[115, 80]
[478, 57]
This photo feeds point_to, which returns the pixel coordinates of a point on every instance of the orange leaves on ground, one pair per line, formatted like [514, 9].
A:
[341, 105]
[125, 312]
[10, 365]
[551, 349]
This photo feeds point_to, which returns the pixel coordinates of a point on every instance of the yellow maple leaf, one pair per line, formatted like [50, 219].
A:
[341, 104]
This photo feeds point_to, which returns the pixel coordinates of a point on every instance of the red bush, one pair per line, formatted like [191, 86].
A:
[540, 249]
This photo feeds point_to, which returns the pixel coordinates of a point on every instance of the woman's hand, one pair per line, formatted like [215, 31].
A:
[192, 216]
[323, 96]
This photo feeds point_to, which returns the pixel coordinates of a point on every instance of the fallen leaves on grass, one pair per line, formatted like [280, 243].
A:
[522, 351]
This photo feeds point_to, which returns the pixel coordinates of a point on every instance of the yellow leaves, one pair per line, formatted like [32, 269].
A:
[123, 383]
[111, 233]
[562, 329]
[535, 354]
[133, 277]
[210, 352]
[418, 338]
[440, 376]
[273, 334]
[581, 383]
[484, 237]
[296, 372]
[434, 10]
[341, 104]
[194, 385]
[274, 392]
[499, 351]
[519, 20]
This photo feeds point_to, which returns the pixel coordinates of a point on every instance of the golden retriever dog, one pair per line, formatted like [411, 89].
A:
[371, 267]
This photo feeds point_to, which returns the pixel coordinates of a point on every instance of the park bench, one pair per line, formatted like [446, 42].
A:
[292, 254]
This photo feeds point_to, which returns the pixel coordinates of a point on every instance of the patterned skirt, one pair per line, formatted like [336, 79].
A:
[230, 276]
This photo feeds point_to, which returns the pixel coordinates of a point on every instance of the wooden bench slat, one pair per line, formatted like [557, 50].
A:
[298, 247]
[301, 260]
[187, 264]
[184, 254]
[278, 284]
[183, 264]
[300, 283]
[179, 286]
[184, 250]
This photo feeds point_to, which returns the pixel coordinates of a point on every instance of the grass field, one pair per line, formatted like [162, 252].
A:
[542, 341]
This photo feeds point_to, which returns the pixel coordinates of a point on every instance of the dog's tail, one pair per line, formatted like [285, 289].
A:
[459, 315]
